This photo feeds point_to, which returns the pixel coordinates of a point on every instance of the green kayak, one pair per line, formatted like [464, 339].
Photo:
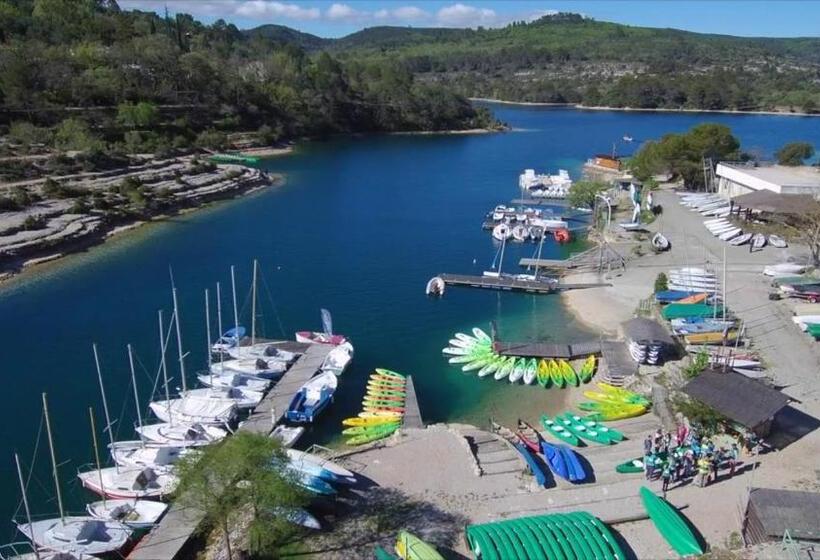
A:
[670, 524]
[555, 374]
[363, 430]
[410, 547]
[559, 431]
[372, 434]
[631, 466]
[612, 433]
[568, 373]
[389, 373]
[581, 431]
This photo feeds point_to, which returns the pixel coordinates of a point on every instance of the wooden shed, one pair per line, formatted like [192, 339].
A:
[771, 513]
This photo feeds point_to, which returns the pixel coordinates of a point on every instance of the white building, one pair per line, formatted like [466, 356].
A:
[735, 179]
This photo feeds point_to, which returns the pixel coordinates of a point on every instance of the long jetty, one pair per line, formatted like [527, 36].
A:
[514, 283]
[567, 351]
[172, 537]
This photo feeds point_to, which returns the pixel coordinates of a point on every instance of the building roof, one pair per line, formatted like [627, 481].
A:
[782, 510]
[783, 175]
[746, 401]
[641, 329]
[775, 203]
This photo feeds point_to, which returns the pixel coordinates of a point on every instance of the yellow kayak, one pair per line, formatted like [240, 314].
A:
[709, 337]
[371, 421]
[410, 547]
[380, 414]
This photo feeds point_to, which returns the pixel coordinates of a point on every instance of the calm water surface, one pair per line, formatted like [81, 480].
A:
[359, 228]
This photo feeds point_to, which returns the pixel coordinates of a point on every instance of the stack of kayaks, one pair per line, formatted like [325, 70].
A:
[670, 524]
[576, 535]
[382, 409]
[410, 547]
[475, 353]
[613, 403]
[525, 449]
[562, 460]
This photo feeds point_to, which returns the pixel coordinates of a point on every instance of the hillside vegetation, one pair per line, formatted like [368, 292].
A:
[572, 59]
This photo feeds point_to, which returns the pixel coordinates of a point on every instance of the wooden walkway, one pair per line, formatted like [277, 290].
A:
[596, 258]
[570, 351]
[513, 284]
[169, 538]
[412, 413]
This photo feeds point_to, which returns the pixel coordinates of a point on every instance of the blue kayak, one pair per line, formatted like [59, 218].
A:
[576, 470]
[667, 296]
[556, 459]
[537, 469]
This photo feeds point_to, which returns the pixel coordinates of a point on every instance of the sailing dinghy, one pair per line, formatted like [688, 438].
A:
[137, 514]
[182, 435]
[138, 454]
[115, 483]
[198, 409]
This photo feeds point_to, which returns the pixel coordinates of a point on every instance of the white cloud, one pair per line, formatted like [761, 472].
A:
[342, 12]
[263, 8]
[462, 15]
[410, 13]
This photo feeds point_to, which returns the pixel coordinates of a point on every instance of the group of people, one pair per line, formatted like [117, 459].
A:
[675, 457]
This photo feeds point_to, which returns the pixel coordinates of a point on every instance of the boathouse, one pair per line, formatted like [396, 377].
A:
[748, 402]
[773, 514]
[736, 179]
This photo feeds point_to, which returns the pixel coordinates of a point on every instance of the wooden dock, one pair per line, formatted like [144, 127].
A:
[412, 413]
[170, 538]
[598, 259]
[514, 284]
[567, 351]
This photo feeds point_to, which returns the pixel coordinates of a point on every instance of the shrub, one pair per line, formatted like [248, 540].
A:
[34, 222]
[211, 138]
[661, 283]
[698, 413]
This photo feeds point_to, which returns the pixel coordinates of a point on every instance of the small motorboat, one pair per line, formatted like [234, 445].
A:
[338, 359]
[561, 235]
[145, 483]
[660, 242]
[312, 337]
[520, 233]
[137, 514]
[231, 338]
[312, 398]
[758, 241]
[777, 241]
[182, 435]
[287, 435]
[242, 397]
[139, 454]
[435, 286]
[741, 239]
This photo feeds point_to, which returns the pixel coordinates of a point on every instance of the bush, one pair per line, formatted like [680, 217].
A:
[26, 134]
[7, 204]
[22, 197]
[661, 283]
[212, 139]
[73, 134]
[794, 153]
[700, 362]
[54, 189]
[34, 222]
[582, 193]
[698, 413]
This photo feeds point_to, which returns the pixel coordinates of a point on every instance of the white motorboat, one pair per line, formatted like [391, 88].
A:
[435, 286]
[113, 482]
[253, 367]
[26, 551]
[312, 398]
[784, 268]
[138, 454]
[502, 232]
[231, 379]
[182, 435]
[264, 351]
[80, 536]
[338, 359]
[777, 241]
[287, 435]
[195, 409]
[520, 233]
[137, 514]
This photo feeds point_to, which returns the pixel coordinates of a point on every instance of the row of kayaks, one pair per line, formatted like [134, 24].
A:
[575, 430]
[382, 408]
[562, 460]
[476, 353]
[613, 403]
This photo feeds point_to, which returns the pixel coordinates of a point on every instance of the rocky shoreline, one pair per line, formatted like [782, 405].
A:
[85, 209]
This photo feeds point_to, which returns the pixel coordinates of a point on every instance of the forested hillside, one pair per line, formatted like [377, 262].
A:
[568, 58]
[83, 74]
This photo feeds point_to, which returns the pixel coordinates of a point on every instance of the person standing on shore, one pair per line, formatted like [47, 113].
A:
[647, 445]
[703, 471]
[666, 475]
[733, 457]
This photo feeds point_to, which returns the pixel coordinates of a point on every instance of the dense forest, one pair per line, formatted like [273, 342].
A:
[566, 58]
[84, 74]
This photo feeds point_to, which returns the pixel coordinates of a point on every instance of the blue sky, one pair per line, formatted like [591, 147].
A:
[334, 18]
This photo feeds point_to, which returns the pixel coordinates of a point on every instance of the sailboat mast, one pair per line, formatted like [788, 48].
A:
[219, 316]
[208, 332]
[96, 451]
[25, 506]
[235, 310]
[501, 260]
[164, 368]
[538, 258]
[179, 341]
[53, 460]
[134, 383]
[104, 402]
[253, 304]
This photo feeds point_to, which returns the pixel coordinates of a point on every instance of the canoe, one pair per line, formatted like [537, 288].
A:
[556, 460]
[359, 430]
[611, 415]
[389, 373]
[482, 336]
[518, 371]
[568, 373]
[505, 369]
[588, 369]
[630, 467]
[491, 367]
[372, 421]
[543, 373]
[376, 392]
[535, 468]
[670, 524]
[613, 434]
[580, 430]
[531, 371]
[555, 374]
[559, 431]
[372, 435]
[575, 469]
[410, 547]
[386, 380]
[614, 399]
[380, 414]
[478, 363]
[380, 407]
[529, 436]
[628, 396]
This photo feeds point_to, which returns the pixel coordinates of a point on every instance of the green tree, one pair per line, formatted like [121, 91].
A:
[139, 115]
[73, 134]
[794, 153]
[582, 193]
[243, 474]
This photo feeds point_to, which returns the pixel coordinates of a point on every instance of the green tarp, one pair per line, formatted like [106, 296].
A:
[680, 310]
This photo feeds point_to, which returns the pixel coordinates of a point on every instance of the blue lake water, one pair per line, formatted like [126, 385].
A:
[360, 226]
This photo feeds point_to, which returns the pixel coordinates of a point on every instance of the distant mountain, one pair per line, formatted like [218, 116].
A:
[285, 35]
